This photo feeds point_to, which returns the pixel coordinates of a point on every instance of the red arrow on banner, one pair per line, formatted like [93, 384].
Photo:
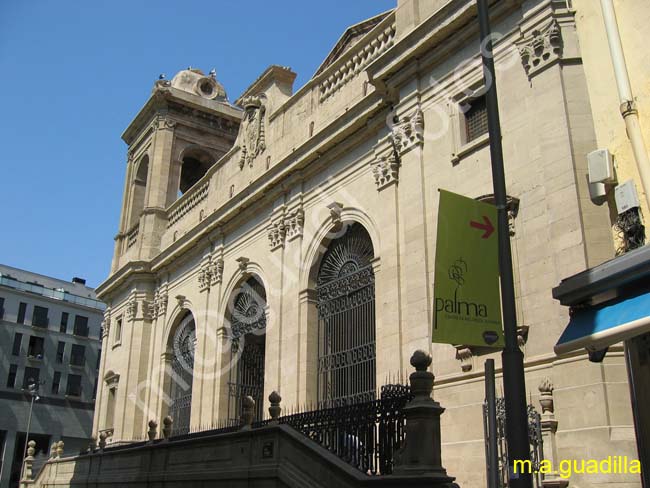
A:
[487, 227]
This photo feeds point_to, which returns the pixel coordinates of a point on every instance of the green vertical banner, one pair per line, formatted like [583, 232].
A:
[466, 289]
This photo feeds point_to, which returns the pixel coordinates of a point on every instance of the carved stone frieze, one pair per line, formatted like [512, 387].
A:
[407, 131]
[159, 303]
[251, 134]
[541, 48]
[147, 310]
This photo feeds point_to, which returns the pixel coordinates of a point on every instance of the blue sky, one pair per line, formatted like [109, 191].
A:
[73, 75]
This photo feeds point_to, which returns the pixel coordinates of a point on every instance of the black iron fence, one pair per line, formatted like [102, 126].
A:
[366, 435]
[534, 439]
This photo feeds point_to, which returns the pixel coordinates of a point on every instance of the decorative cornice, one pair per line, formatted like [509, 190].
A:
[542, 48]
[367, 53]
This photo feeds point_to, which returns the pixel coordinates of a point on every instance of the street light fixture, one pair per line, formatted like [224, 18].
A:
[32, 390]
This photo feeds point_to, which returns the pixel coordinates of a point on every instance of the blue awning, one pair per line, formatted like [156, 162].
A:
[601, 326]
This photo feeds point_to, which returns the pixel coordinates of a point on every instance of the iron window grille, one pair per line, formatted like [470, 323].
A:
[476, 120]
[346, 321]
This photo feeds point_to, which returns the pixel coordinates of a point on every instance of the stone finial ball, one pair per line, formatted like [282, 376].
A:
[275, 397]
[420, 360]
[248, 401]
[168, 420]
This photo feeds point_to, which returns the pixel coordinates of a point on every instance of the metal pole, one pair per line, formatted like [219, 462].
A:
[491, 400]
[512, 358]
[29, 425]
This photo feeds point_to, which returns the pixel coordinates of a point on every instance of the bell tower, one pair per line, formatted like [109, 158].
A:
[184, 128]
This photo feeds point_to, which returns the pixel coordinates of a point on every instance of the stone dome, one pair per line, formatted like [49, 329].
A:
[194, 81]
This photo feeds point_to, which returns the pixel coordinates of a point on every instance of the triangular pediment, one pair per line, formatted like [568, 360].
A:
[350, 37]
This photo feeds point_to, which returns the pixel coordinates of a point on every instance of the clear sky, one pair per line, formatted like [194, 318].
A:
[73, 73]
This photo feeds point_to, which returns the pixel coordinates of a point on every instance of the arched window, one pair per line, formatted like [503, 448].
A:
[247, 318]
[139, 190]
[346, 320]
[183, 345]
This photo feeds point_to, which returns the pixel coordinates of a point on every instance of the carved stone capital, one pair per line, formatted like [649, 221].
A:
[276, 233]
[294, 223]
[216, 270]
[541, 48]
[408, 131]
[131, 308]
[385, 170]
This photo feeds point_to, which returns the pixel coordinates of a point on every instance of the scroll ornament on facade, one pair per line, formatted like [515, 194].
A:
[287, 227]
[541, 49]
[252, 140]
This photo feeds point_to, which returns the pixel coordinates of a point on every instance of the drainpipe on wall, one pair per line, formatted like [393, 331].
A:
[628, 106]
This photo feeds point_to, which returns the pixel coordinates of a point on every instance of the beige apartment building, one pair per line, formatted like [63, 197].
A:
[286, 241]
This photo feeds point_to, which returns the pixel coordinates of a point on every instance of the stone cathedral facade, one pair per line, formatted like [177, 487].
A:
[285, 241]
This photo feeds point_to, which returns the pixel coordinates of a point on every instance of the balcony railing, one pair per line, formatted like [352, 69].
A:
[51, 293]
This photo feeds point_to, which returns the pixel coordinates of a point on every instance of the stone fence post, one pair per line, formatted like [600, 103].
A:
[248, 412]
[549, 428]
[420, 454]
[26, 478]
